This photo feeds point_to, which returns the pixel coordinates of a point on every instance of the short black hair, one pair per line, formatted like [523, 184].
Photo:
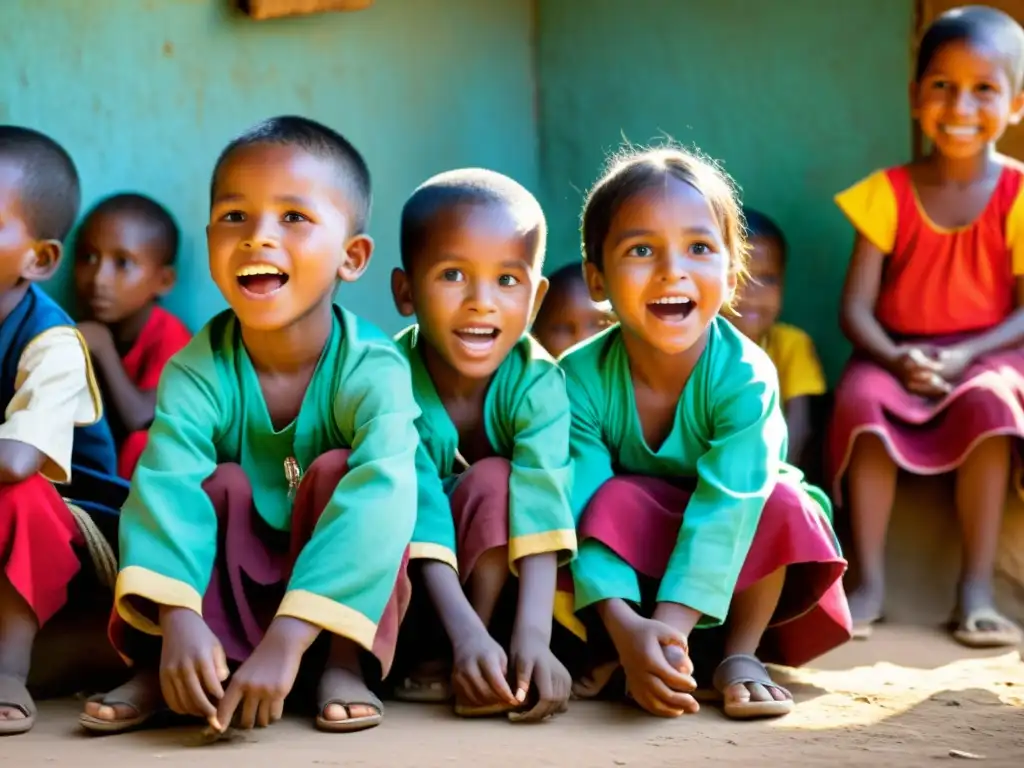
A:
[151, 211]
[470, 186]
[50, 193]
[761, 225]
[320, 141]
[566, 276]
[636, 169]
[978, 25]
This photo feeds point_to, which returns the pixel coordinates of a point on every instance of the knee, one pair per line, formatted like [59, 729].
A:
[869, 447]
[495, 471]
[331, 463]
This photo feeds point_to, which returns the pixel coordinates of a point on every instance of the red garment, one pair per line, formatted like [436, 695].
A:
[162, 337]
[37, 534]
[942, 281]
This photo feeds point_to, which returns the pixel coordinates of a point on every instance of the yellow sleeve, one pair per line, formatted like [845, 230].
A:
[800, 373]
[1015, 233]
[870, 205]
[54, 391]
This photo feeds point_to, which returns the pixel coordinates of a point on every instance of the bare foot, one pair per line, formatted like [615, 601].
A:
[594, 681]
[866, 604]
[139, 698]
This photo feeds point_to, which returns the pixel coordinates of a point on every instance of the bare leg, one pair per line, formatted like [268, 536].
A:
[490, 574]
[749, 614]
[872, 489]
[18, 628]
[980, 499]
[343, 679]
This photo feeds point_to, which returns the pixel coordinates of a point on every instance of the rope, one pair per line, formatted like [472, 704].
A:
[104, 560]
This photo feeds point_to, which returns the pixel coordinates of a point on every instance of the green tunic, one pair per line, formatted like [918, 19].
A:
[526, 417]
[210, 410]
[729, 433]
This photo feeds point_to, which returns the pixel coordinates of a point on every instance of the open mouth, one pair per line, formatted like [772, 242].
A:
[478, 338]
[672, 309]
[260, 279]
[961, 131]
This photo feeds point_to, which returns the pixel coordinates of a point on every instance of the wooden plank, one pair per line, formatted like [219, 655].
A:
[1012, 143]
[275, 9]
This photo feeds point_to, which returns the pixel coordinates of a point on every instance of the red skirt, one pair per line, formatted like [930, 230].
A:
[638, 518]
[922, 435]
[254, 563]
[38, 535]
[480, 509]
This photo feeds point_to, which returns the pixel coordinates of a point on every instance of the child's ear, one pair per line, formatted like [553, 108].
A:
[595, 282]
[1017, 108]
[542, 290]
[166, 279]
[912, 93]
[42, 261]
[401, 291]
[357, 258]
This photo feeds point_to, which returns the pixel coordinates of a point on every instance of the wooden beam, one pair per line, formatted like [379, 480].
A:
[275, 9]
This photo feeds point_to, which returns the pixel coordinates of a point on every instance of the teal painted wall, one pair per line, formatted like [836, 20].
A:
[145, 93]
[798, 98]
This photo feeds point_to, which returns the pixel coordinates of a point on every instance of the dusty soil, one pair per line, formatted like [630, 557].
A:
[930, 703]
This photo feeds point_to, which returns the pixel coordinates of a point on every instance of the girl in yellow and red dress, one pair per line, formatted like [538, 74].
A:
[933, 306]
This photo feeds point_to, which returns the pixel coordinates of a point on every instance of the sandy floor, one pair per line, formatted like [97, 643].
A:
[932, 702]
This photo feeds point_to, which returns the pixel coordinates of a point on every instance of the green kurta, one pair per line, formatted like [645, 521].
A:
[526, 416]
[210, 410]
[729, 433]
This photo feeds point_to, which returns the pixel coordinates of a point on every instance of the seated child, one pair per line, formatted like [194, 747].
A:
[688, 515]
[51, 429]
[124, 262]
[494, 463]
[277, 495]
[567, 316]
[934, 307]
[791, 349]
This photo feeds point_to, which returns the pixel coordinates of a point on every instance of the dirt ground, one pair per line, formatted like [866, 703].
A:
[931, 702]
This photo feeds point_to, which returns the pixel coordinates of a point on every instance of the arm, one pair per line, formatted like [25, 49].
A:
[798, 421]
[735, 477]
[168, 526]
[53, 393]
[541, 524]
[344, 576]
[860, 293]
[135, 408]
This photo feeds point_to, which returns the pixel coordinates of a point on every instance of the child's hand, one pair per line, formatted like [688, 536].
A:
[953, 363]
[98, 337]
[534, 662]
[192, 664]
[660, 687]
[261, 684]
[479, 671]
[919, 370]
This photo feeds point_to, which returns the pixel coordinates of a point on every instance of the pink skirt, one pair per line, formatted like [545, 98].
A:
[638, 518]
[922, 435]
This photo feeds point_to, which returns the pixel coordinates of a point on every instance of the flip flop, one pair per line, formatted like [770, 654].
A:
[424, 691]
[340, 686]
[14, 695]
[745, 668]
[99, 725]
[967, 632]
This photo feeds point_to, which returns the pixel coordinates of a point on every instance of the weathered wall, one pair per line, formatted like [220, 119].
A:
[145, 93]
[797, 98]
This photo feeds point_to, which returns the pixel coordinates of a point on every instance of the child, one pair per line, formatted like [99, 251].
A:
[791, 349]
[932, 304]
[51, 430]
[568, 316]
[494, 464]
[679, 445]
[124, 261]
[282, 452]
